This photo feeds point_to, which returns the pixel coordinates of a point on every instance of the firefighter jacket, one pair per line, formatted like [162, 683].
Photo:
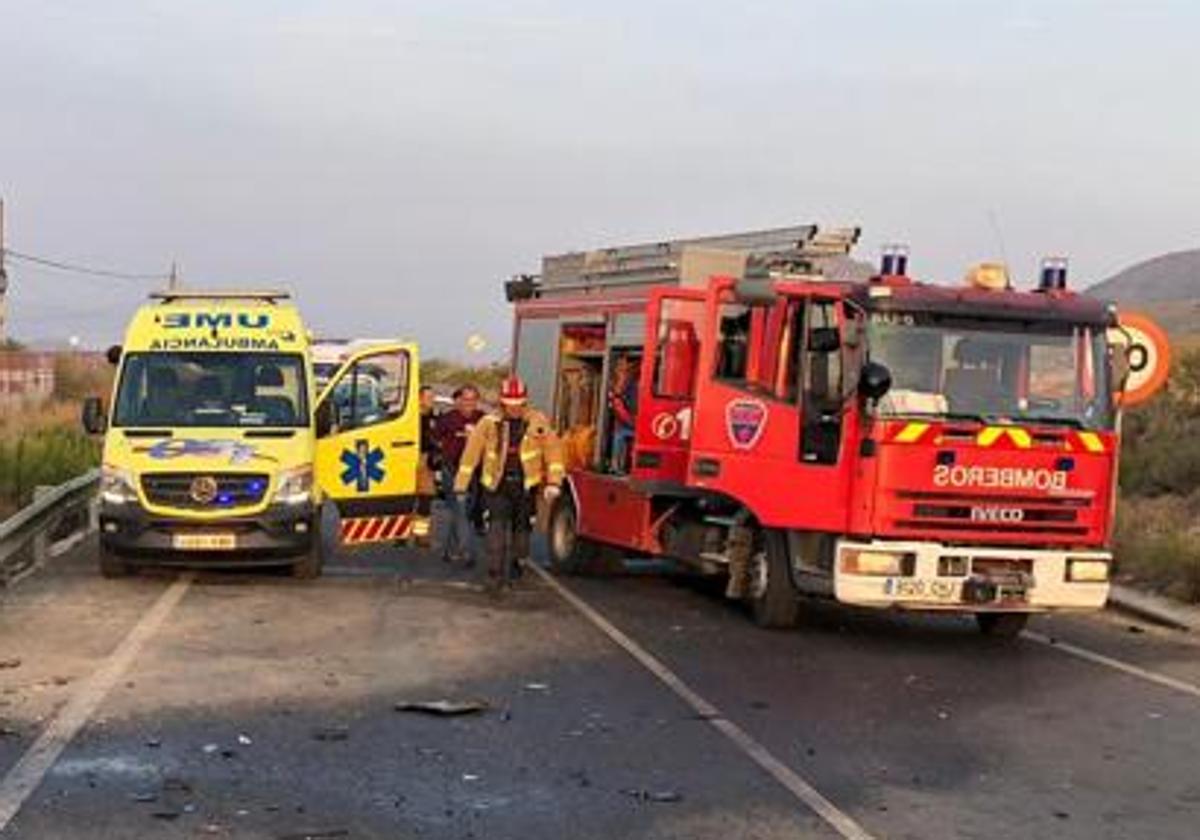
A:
[540, 452]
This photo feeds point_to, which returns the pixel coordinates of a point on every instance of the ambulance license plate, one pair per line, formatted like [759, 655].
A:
[922, 589]
[204, 542]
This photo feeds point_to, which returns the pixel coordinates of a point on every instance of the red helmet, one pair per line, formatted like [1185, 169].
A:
[513, 391]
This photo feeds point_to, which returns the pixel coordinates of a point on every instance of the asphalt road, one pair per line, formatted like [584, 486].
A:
[251, 705]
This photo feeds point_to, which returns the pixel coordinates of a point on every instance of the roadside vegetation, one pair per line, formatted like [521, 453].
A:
[450, 375]
[45, 444]
[1158, 518]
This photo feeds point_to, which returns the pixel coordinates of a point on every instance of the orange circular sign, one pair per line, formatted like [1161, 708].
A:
[1148, 352]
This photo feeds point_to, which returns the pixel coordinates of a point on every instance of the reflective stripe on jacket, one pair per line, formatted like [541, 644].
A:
[540, 452]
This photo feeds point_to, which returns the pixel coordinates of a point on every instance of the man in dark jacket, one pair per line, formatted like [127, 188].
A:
[452, 431]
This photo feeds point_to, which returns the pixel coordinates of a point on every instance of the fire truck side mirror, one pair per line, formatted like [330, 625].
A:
[875, 381]
[113, 355]
[1121, 366]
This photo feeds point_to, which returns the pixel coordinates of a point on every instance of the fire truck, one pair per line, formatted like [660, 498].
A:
[763, 407]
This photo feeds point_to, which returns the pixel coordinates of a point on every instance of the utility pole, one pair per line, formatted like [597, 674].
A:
[173, 279]
[3, 284]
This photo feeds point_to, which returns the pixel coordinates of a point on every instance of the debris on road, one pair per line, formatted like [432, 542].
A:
[209, 749]
[444, 708]
[536, 686]
[244, 740]
[154, 743]
[470, 777]
[329, 834]
[14, 662]
[331, 733]
[145, 796]
[663, 796]
[7, 731]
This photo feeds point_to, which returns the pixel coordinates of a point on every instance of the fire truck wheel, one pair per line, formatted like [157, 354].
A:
[1002, 625]
[773, 599]
[112, 565]
[569, 553]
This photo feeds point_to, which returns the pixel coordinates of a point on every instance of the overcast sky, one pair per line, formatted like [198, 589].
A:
[392, 163]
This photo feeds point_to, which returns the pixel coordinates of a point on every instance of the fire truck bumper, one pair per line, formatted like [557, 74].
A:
[932, 576]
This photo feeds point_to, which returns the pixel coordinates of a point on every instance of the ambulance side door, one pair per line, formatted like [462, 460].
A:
[368, 444]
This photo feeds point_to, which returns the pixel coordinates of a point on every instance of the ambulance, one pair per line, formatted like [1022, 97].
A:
[218, 450]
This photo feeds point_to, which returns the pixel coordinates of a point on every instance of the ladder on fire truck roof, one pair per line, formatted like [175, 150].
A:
[793, 249]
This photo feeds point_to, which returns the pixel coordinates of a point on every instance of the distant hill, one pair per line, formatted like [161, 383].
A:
[1170, 277]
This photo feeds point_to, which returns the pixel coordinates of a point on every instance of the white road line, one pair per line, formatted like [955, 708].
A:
[28, 772]
[838, 820]
[1115, 664]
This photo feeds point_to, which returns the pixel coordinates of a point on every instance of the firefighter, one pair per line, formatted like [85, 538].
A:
[520, 458]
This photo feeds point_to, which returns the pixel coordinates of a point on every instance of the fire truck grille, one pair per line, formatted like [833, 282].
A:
[1003, 514]
[204, 491]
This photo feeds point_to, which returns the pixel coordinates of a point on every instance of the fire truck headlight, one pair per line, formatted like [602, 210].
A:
[874, 562]
[1087, 570]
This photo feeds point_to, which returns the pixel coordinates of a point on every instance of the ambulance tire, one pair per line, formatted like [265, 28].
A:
[774, 600]
[1001, 625]
[113, 565]
[570, 554]
[309, 565]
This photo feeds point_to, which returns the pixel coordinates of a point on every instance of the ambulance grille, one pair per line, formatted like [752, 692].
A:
[232, 490]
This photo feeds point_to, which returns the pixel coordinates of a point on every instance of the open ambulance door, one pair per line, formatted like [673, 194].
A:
[667, 390]
[368, 446]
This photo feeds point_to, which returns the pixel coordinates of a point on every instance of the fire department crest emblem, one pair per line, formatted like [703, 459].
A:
[745, 421]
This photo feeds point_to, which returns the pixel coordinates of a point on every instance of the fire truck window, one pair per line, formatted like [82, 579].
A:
[823, 374]
[678, 349]
[733, 343]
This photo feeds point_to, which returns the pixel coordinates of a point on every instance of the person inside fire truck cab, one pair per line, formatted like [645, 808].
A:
[975, 383]
[520, 458]
[622, 407]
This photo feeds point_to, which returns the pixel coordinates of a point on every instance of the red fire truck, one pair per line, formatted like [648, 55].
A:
[763, 407]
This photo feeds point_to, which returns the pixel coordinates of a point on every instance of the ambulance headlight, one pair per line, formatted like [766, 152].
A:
[1086, 570]
[295, 487]
[116, 486]
[870, 561]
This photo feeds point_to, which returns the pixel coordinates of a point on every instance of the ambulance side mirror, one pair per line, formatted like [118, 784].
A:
[875, 381]
[323, 418]
[113, 355]
[94, 421]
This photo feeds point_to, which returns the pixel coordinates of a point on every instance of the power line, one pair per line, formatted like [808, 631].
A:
[80, 269]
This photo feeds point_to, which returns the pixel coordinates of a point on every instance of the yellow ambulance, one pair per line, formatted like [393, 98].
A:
[218, 451]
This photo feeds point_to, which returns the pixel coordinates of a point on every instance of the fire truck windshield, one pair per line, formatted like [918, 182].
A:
[992, 370]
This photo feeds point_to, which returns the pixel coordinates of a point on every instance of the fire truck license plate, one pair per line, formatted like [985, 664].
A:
[204, 542]
[922, 589]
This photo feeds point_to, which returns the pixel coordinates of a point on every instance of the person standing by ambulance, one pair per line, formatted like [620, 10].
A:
[520, 458]
[453, 430]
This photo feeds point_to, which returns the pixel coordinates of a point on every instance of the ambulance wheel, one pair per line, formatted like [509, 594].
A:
[1001, 625]
[570, 553]
[113, 565]
[308, 566]
[773, 599]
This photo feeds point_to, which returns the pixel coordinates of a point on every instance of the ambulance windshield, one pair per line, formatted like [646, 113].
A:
[992, 370]
[212, 389]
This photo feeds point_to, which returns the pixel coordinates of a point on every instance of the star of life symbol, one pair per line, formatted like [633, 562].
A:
[362, 465]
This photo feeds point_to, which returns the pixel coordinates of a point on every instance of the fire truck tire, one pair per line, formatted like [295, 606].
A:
[570, 554]
[774, 601]
[1001, 625]
[113, 565]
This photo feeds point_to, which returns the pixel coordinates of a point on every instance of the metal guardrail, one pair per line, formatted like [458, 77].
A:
[56, 514]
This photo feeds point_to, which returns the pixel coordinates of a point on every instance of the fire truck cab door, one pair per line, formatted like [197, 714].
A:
[368, 444]
[822, 391]
[667, 389]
